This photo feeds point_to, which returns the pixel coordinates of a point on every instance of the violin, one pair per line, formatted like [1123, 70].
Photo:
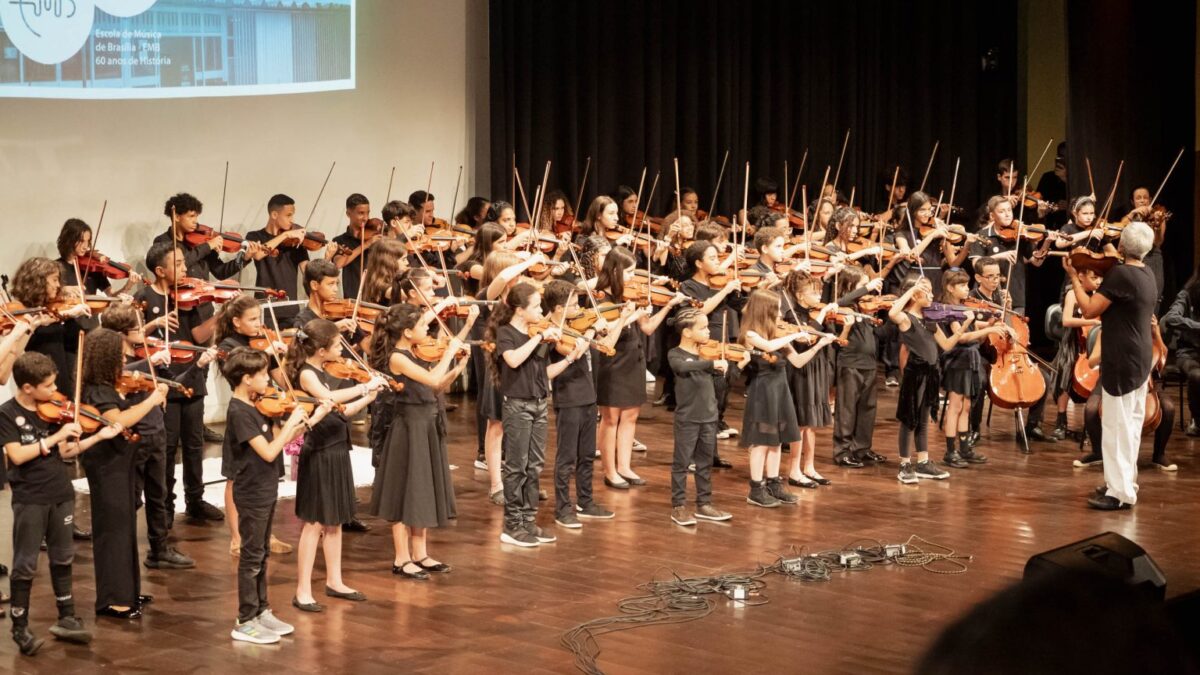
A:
[275, 403]
[875, 303]
[463, 308]
[12, 310]
[641, 240]
[586, 318]
[135, 382]
[790, 328]
[1100, 262]
[61, 410]
[641, 220]
[181, 351]
[264, 341]
[715, 350]
[190, 292]
[94, 261]
[795, 218]
[889, 251]
[231, 242]
[1032, 199]
[346, 369]
[939, 311]
[749, 278]
[315, 241]
[570, 339]
[843, 314]
[955, 234]
[434, 349]
[643, 293]
[368, 312]
[97, 303]
[1008, 232]
[564, 226]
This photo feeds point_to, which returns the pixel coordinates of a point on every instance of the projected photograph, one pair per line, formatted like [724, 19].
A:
[174, 48]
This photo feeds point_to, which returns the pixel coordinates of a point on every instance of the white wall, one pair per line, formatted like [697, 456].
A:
[415, 102]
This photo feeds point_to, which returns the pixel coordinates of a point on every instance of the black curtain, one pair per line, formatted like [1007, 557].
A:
[633, 83]
[1132, 98]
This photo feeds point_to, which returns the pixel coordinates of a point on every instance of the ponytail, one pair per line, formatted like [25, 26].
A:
[314, 336]
[388, 330]
[234, 309]
[518, 297]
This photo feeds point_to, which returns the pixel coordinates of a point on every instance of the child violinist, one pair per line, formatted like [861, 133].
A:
[854, 414]
[321, 285]
[42, 496]
[769, 419]
[325, 487]
[38, 283]
[920, 381]
[962, 378]
[254, 443]
[809, 376]
[413, 489]
[75, 242]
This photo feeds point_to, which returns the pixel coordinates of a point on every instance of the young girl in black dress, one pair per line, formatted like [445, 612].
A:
[110, 475]
[962, 378]
[621, 379]
[413, 489]
[1075, 329]
[920, 380]
[325, 488]
[810, 381]
[769, 419]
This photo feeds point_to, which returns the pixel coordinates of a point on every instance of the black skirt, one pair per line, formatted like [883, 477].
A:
[491, 401]
[325, 485]
[919, 385]
[809, 387]
[412, 484]
[770, 415]
[621, 378]
[1064, 362]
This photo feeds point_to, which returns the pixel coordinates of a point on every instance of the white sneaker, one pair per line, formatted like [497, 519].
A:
[268, 620]
[725, 434]
[638, 445]
[481, 465]
[253, 632]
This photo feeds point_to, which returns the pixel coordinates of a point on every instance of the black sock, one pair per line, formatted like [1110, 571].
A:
[950, 445]
[60, 579]
[1061, 420]
[19, 605]
[963, 447]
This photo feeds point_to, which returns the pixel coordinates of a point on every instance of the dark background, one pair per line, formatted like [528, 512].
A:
[634, 84]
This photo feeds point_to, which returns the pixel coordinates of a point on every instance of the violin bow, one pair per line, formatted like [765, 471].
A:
[678, 197]
[1157, 192]
[745, 218]
[429, 306]
[282, 359]
[454, 202]
[724, 332]
[804, 206]
[535, 226]
[1091, 183]
[838, 173]
[645, 224]
[224, 187]
[149, 364]
[638, 203]
[308, 220]
[912, 232]
[79, 373]
[929, 167]
[716, 190]
[881, 230]
[582, 184]
[391, 177]
[99, 225]
[1111, 195]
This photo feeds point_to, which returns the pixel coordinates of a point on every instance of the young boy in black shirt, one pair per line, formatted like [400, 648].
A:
[695, 418]
[254, 444]
[43, 499]
[281, 270]
[574, 415]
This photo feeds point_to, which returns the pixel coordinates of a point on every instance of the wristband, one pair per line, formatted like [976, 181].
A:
[42, 445]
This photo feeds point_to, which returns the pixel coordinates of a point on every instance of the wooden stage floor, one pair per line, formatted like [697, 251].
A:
[503, 610]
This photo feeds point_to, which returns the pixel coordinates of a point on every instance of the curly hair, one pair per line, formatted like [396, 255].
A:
[103, 356]
[30, 279]
[517, 298]
[182, 203]
[71, 234]
[389, 328]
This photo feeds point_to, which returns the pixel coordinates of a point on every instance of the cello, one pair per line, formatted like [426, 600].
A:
[1015, 380]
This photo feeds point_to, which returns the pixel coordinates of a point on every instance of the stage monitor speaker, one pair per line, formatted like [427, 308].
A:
[1107, 554]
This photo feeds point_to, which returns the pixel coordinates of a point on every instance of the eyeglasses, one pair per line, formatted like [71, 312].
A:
[990, 276]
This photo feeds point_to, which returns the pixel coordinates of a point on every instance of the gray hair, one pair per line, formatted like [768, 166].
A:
[1136, 240]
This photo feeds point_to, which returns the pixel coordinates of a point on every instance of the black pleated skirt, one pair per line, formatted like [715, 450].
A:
[325, 486]
[412, 483]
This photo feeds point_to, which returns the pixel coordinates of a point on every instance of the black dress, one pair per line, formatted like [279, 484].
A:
[491, 401]
[920, 380]
[962, 367]
[770, 414]
[810, 385]
[325, 485]
[111, 481]
[621, 378]
[412, 484]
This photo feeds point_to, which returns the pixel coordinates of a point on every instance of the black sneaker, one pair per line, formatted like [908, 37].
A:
[169, 559]
[953, 459]
[1036, 434]
[973, 438]
[568, 520]
[759, 496]
[891, 381]
[907, 474]
[594, 511]
[973, 457]
[26, 641]
[848, 461]
[211, 436]
[1060, 432]
[542, 536]
[930, 471]
[519, 537]
[355, 525]
[719, 463]
[777, 489]
[1091, 459]
[1107, 503]
[204, 511]
[871, 456]
[70, 629]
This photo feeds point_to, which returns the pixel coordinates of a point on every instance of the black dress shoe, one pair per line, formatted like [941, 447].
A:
[1036, 434]
[818, 480]
[3, 570]
[638, 482]
[719, 463]
[439, 567]
[211, 436]
[1107, 503]
[81, 535]
[807, 483]
[623, 485]
[355, 525]
[848, 462]
[353, 596]
[308, 606]
[109, 612]
[145, 600]
[419, 575]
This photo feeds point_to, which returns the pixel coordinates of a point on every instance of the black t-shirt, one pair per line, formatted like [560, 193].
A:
[919, 340]
[203, 262]
[52, 341]
[189, 374]
[43, 479]
[726, 313]
[574, 385]
[255, 481]
[993, 245]
[353, 269]
[279, 272]
[105, 398]
[1125, 359]
[529, 380]
[695, 396]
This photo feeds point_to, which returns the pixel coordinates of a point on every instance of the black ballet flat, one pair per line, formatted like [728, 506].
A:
[109, 612]
[440, 567]
[637, 482]
[719, 463]
[811, 485]
[308, 606]
[420, 575]
[353, 596]
[145, 600]
[819, 481]
[616, 486]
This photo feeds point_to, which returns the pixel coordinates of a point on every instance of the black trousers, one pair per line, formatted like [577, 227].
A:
[33, 524]
[888, 348]
[721, 385]
[150, 470]
[185, 426]
[694, 442]
[1189, 364]
[575, 428]
[525, 426]
[254, 526]
[111, 480]
[854, 418]
[478, 374]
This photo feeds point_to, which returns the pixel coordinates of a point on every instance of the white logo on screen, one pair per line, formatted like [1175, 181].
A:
[52, 31]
